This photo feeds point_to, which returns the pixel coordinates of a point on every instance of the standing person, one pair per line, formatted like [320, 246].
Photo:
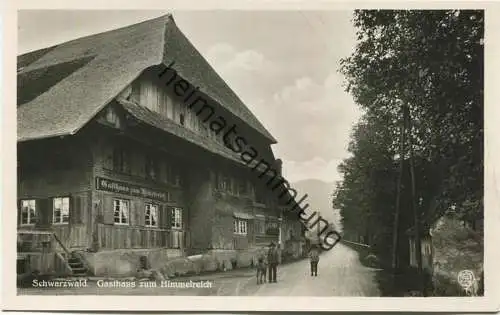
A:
[272, 260]
[314, 258]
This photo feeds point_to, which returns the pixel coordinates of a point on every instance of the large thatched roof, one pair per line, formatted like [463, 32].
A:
[61, 88]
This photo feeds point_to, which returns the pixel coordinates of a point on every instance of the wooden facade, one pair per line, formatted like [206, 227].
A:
[122, 184]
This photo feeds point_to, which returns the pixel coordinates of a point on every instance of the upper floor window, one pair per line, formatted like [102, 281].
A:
[121, 160]
[151, 215]
[60, 210]
[28, 212]
[225, 183]
[174, 175]
[242, 187]
[152, 167]
[121, 211]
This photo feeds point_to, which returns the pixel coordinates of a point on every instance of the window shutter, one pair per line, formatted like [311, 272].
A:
[184, 218]
[43, 212]
[108, 211]
[170, 217]
[163, 216]
[75, 210]
[19, 211]
[138, 209]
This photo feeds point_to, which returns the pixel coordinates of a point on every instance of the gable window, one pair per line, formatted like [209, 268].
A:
[240, 227]
[60, 210]
[112, 117]
[151, 215]
[121, 211]
[121, 160]
[177, 218]
[28, 212]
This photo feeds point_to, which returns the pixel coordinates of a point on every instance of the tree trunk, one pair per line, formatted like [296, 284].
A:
[395, 239]
[416, 217]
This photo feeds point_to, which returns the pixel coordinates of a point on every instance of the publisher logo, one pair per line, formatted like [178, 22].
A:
[466, 279]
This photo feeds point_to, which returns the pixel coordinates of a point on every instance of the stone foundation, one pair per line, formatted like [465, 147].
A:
[169, 262]
[125, 262]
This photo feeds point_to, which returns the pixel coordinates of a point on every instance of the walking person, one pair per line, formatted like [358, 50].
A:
[272, 260]
[314, 259]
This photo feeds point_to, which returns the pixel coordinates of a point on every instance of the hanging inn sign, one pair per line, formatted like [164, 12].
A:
[105, 184]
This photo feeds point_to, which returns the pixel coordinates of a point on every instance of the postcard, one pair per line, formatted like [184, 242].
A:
[319, 157]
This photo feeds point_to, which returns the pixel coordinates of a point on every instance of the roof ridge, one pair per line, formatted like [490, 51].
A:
[166, 17]
[121, 55]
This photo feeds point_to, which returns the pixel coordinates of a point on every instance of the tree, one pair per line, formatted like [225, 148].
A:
[432, 63]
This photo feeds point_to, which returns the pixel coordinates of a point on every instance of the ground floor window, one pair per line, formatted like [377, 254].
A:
[272, 228]
[28, 212]
[60, 210]
[240, 226]
[121, 211]
[151, 215]
[177, 218]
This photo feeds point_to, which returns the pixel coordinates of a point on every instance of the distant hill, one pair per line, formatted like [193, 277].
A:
[319, 198]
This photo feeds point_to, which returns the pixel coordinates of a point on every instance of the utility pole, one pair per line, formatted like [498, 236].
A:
[395, 239]
[416, 216]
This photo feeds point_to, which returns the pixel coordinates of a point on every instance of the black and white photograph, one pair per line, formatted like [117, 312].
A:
[251, 153]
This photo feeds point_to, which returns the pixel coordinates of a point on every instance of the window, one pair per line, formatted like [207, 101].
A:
[121, 160]
[60, 210]
[225, 183]
[28, 212]
[181, 119]
[240, 227]
[121, 211]
[177, 218]
[151, 215]
[111, 116]
[272, 228]
[242, 187]
[173, 176]
[152, 168]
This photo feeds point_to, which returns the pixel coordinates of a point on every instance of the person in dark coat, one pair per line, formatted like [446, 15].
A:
[272, 260]
[314, 259]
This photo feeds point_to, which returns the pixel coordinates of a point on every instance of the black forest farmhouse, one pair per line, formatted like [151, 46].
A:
[112, 165]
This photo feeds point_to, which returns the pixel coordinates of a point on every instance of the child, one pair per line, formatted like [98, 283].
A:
[261, 270]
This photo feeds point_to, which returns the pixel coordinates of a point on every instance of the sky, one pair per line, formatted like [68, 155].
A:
[282, 64]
